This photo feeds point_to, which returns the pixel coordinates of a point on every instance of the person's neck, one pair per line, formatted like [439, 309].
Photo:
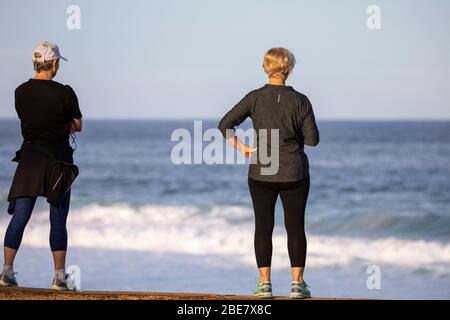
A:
[277, 81]
[43, 76]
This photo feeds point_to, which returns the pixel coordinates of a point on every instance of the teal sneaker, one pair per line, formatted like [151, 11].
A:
[6, 281]
[63, 285]
[263, 290]
[300, 290]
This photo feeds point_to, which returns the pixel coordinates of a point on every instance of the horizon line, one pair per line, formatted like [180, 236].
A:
[215, 119]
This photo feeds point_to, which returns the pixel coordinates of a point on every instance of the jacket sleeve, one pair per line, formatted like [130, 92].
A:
[309, 126]
[236, 116]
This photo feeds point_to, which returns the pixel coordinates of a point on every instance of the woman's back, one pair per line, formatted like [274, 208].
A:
[280, 108]
[46, 108]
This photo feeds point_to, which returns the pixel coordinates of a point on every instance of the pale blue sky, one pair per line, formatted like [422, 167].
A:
[196, 59]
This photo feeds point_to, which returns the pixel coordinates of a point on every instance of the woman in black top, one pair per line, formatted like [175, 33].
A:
[48, 113]
[284, 122]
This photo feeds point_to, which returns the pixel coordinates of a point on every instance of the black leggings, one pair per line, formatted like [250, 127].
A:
[293, 197]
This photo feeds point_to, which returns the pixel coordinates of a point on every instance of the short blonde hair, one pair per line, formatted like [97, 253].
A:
[278, 62]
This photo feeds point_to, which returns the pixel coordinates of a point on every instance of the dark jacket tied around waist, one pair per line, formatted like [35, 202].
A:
[44, 169]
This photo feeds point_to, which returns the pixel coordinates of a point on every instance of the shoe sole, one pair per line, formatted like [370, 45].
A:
[5, 284]
[298, 297]
[56, 288]
[264, 295]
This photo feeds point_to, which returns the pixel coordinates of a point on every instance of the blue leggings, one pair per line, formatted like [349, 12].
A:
[21, 215]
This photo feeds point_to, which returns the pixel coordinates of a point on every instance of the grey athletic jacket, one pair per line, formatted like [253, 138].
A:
[289, 111]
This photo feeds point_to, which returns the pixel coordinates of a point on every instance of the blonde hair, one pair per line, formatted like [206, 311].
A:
[278, 62]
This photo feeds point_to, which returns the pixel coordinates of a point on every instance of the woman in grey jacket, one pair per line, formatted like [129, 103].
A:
[284, 122]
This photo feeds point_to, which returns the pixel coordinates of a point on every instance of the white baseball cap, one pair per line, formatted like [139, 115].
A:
[46, 51]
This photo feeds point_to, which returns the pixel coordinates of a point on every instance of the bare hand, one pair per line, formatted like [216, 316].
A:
[247, 151]
[243, 148]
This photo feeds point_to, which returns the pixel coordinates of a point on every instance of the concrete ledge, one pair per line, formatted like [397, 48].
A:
[47, 294]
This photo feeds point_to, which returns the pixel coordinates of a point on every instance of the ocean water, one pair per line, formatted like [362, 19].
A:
[380, 195]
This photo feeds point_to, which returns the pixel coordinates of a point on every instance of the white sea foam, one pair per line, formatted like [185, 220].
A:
[190, 230]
